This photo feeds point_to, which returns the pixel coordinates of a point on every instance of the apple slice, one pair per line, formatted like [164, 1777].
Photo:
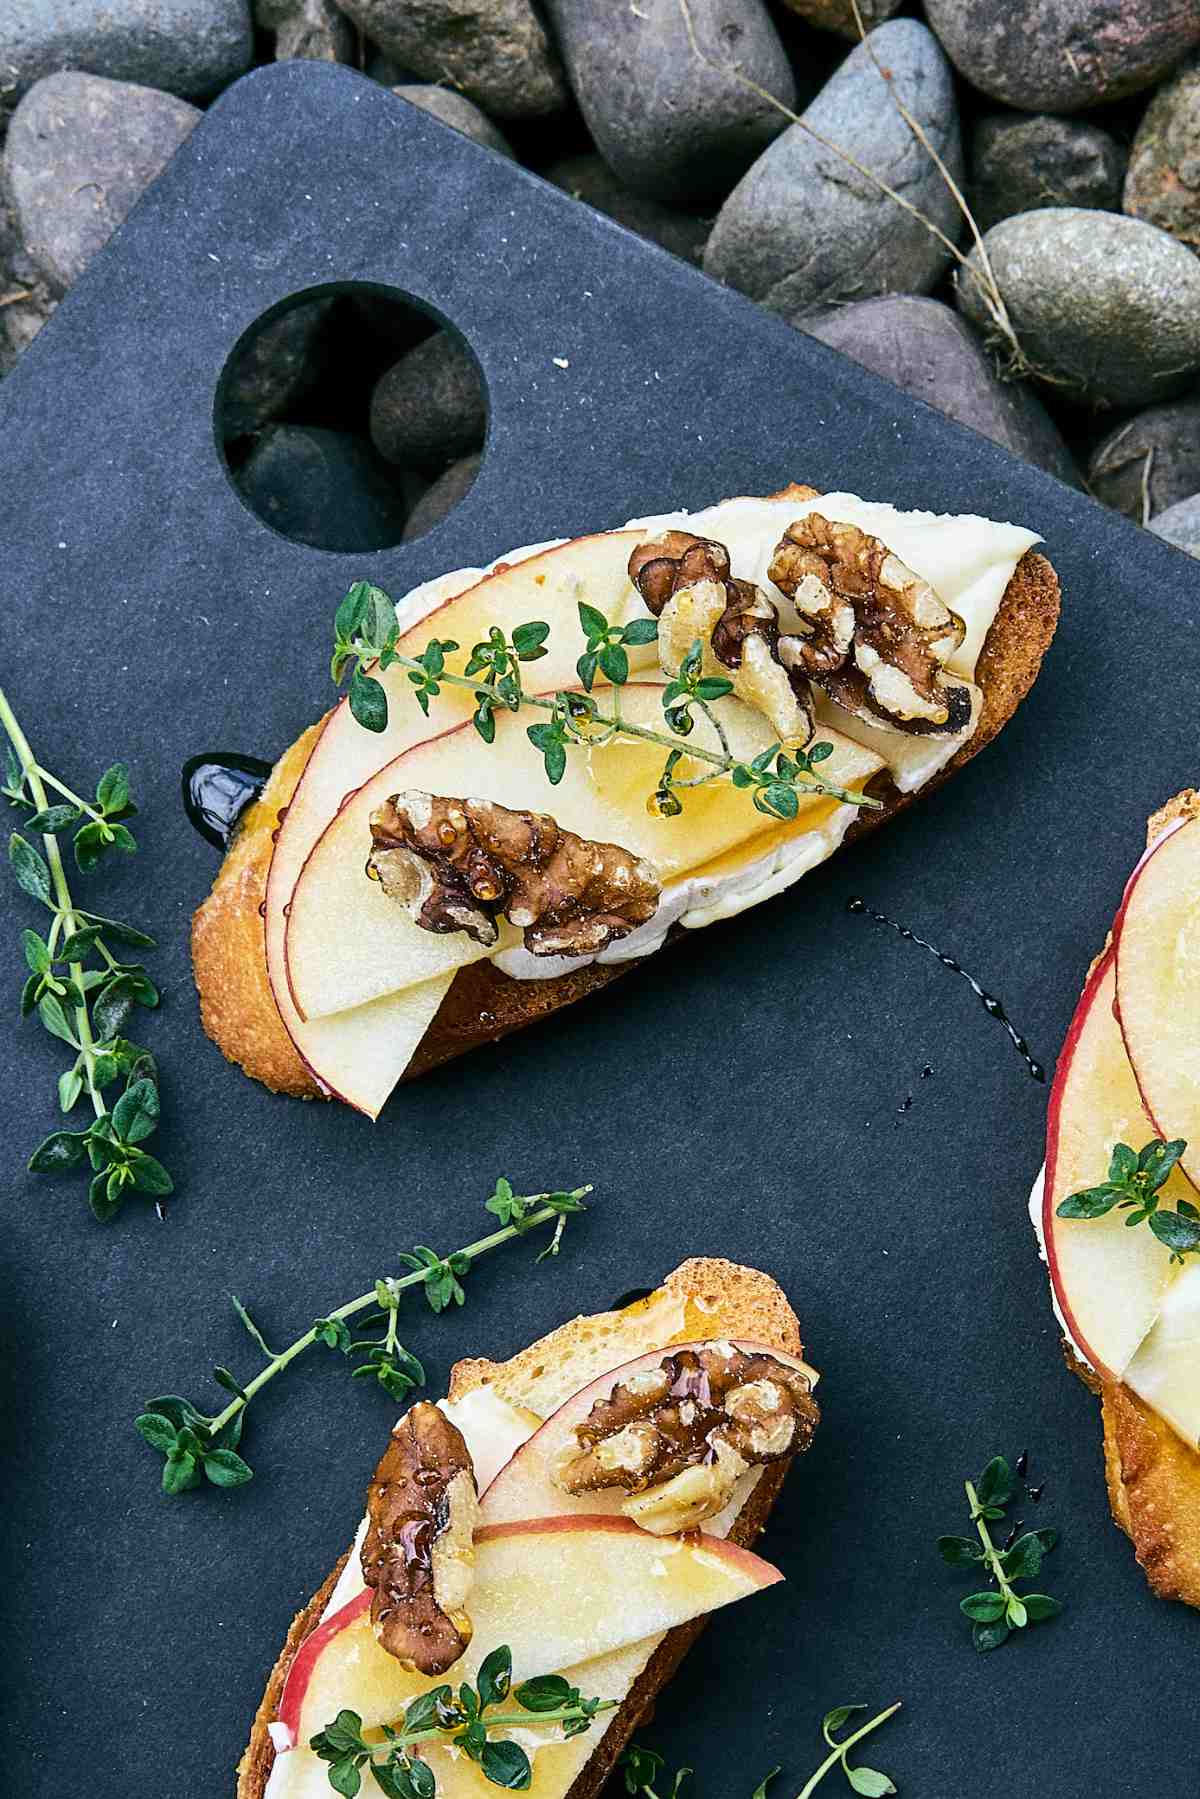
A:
[525, 1487]
[558, 1591]
[1158, 984]
[367, 1049]
[1165, 1371]
[1110, 1282]
[462, 607]
[347, 942]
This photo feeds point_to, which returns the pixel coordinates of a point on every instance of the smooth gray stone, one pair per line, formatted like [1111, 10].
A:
[1021, 164]
[26, 301]
[1063, 55]
[325, 488]
[925, 349]
[430, 407]
[80, 151]
[1180, 525]
[1106, 308]
[804, 229]
[439, 500]
[275, 368]
[496, 52]
[1163, 183]
[1150, 462]
[666, 121]
[589, 178]
[308, 30]
[193, 48]
[456, 110]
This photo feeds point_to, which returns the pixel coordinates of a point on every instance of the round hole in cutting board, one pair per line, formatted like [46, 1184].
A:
[349, 418]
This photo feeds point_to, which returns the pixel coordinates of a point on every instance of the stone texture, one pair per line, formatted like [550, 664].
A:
[438, 501]
[26, 300]
[1149, 462]
[1021, 164]
[925, 349]
[1063, 55]
[804, 229]
[325, 488]
[311, 30]
[80, 151]
[494, 51]
[589, 178]
[430, 407]
[455, 109]
[668, 123]
[1180, 525]
[193, 48]
[1105, 307]
[838, 15]
[274, 368]
[1163, 183]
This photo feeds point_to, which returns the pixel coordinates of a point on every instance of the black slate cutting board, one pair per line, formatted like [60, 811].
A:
[739, 1096]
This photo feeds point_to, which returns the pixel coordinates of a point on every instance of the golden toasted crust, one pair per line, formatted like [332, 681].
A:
[483, 1004]
[735, 1301]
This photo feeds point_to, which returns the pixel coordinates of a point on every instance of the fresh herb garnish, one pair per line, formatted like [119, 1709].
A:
[640, 1768]
[469, 1719]
[998, 1611]
[863, 1780]
[1134, 1178]
[366, 633]
[195, 1445]
[81, 992]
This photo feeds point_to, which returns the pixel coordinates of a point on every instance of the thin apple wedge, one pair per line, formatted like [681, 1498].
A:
[348, 942]
[1158, 984]
[525, 1487]
[1165, 1371]
[1110, 1282]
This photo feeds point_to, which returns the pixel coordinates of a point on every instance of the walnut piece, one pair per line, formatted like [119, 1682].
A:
[458, 865]
[872, 634]
[677, 1437]
[686, 584]
[418, 1554]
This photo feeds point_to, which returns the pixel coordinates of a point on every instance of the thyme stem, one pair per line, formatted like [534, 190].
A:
[835, 1756]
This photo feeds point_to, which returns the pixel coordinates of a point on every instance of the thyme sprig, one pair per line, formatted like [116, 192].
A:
[468, 1718]
[197, 1446]
[868, 1781]
[640, 1768]
[999, 1610]
[366, 634]
[1134, 1179]
[81, 992]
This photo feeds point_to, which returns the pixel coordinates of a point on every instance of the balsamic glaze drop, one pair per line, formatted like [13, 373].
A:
[988, 1001]
[217, 789]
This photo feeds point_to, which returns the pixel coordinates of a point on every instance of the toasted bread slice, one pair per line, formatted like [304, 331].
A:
[484, 1004]
[1152, 1475]
[703, 1297]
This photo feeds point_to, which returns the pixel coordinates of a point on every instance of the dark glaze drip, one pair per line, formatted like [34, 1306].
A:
[1023, 1464]
[988, 1001]
[1035, 1493]
[217, 789]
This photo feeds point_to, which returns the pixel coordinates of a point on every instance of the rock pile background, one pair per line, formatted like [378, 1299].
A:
[767, 141]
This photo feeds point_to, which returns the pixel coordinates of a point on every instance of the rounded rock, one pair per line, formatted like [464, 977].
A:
[438, 501]
[1163, 183]
[926, 350]
[1150, 462]
[1022, 164]
[325, 488]
[667, 121]
[805, 229]
[275, 367]
[307, 30]
[839, 15]
[1180, 525]
[1063, 55]
[589, 178]
[496, 52]
[430, 407]
[80, 151]
[1105, 308]
[192, 48]
[456, 110]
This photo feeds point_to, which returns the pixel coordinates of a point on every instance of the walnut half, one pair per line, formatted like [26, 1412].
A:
[418, 1554]
[677, 1437]
[458, 865]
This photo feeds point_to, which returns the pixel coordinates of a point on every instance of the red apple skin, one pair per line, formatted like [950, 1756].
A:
[1145, 857]
[291, 1700]
[1062, 1074]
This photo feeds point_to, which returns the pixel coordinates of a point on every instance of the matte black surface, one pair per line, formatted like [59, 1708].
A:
[739, 1096]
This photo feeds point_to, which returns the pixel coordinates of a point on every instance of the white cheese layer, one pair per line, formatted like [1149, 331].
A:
[1036, 1199]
